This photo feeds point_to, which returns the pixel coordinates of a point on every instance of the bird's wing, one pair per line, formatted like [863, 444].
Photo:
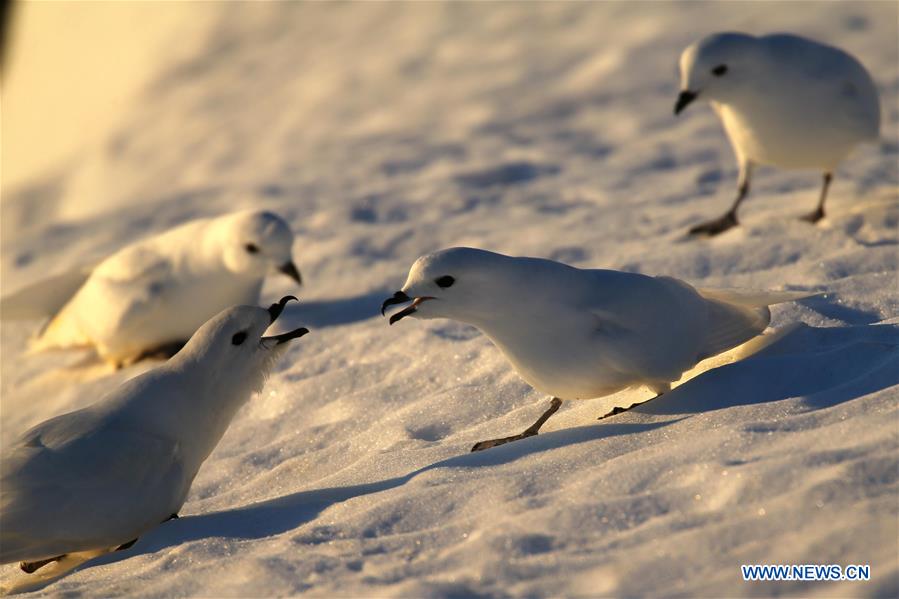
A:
[651, 328]
[857, 102]
[737, 315]
[136, 283]
[117, 292]
[76, 483]
[134, 263]
[44, 298]
[656, 328]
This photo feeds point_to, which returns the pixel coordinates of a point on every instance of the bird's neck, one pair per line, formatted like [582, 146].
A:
[194, 408]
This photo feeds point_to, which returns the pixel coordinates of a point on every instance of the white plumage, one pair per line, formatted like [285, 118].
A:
[156, 292]
[579, 334]
[784, 100]
[101, 476]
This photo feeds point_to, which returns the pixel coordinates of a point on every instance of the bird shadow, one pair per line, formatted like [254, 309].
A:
[823, 366]
[282, 514]
[333, 312]
[837, 311]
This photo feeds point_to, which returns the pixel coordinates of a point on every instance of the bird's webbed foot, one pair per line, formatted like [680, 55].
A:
[32, 567]
[125, 546]
[715, 226]
[618, 409]
[482, 445]
[528, 432]
[814, 216]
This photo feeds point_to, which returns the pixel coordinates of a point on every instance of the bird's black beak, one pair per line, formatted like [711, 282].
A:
[683, 100]
[274, 311]
[290, 269]
[401, 298]
[397, 298]
[403, 313]
[294, 334]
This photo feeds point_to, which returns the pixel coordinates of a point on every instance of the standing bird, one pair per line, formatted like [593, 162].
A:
[149, 297]
[93, 480]
[784, 101]
[581, 334]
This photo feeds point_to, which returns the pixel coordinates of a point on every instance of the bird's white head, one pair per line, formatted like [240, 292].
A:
[719, 67]
[465, 284]
[257, 241]
[231, 350]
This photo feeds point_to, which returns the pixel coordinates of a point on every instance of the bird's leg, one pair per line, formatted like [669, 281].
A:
[31, 567]
[660, 391]
[127, 545]
[818, 213]
[130, 543]
[727, 220]
[161, 352]
[528, 432]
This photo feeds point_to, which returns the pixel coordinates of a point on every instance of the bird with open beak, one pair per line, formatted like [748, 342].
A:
[581, 334]
[94, 480]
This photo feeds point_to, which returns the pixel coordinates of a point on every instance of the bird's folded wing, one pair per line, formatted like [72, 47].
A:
[652, 327]
[133, 264]
[116, 293]
[90, 487]
[737, 315]
[121, 290]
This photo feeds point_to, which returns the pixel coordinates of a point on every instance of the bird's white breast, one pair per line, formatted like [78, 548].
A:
[790, 137]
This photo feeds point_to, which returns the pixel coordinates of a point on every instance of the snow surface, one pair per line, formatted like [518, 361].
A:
[384, 131]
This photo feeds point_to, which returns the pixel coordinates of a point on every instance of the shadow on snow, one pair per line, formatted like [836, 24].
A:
[823, 366]
[275, 516]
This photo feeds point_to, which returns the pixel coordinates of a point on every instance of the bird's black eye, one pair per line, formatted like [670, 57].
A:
[239, 338]
[251, 248]
[719, 70]
[445, 281]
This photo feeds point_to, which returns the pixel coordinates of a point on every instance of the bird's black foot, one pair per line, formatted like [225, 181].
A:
[32, 567]
[618, 410]
[482, 445]
[127, 545]
[715, 226]
[813, 216]
[172, 517]
[530, 431]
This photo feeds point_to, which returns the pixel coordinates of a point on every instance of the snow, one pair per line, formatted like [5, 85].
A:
[385, 131]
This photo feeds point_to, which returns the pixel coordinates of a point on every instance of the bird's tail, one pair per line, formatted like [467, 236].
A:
[752, 298]
[61, 332]
[42, 299]
[46, 300]
[736, 315]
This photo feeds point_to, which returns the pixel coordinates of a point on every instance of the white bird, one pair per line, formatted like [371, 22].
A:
[580, 334]
[784, 101]
[96, 479]
[150, 296]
